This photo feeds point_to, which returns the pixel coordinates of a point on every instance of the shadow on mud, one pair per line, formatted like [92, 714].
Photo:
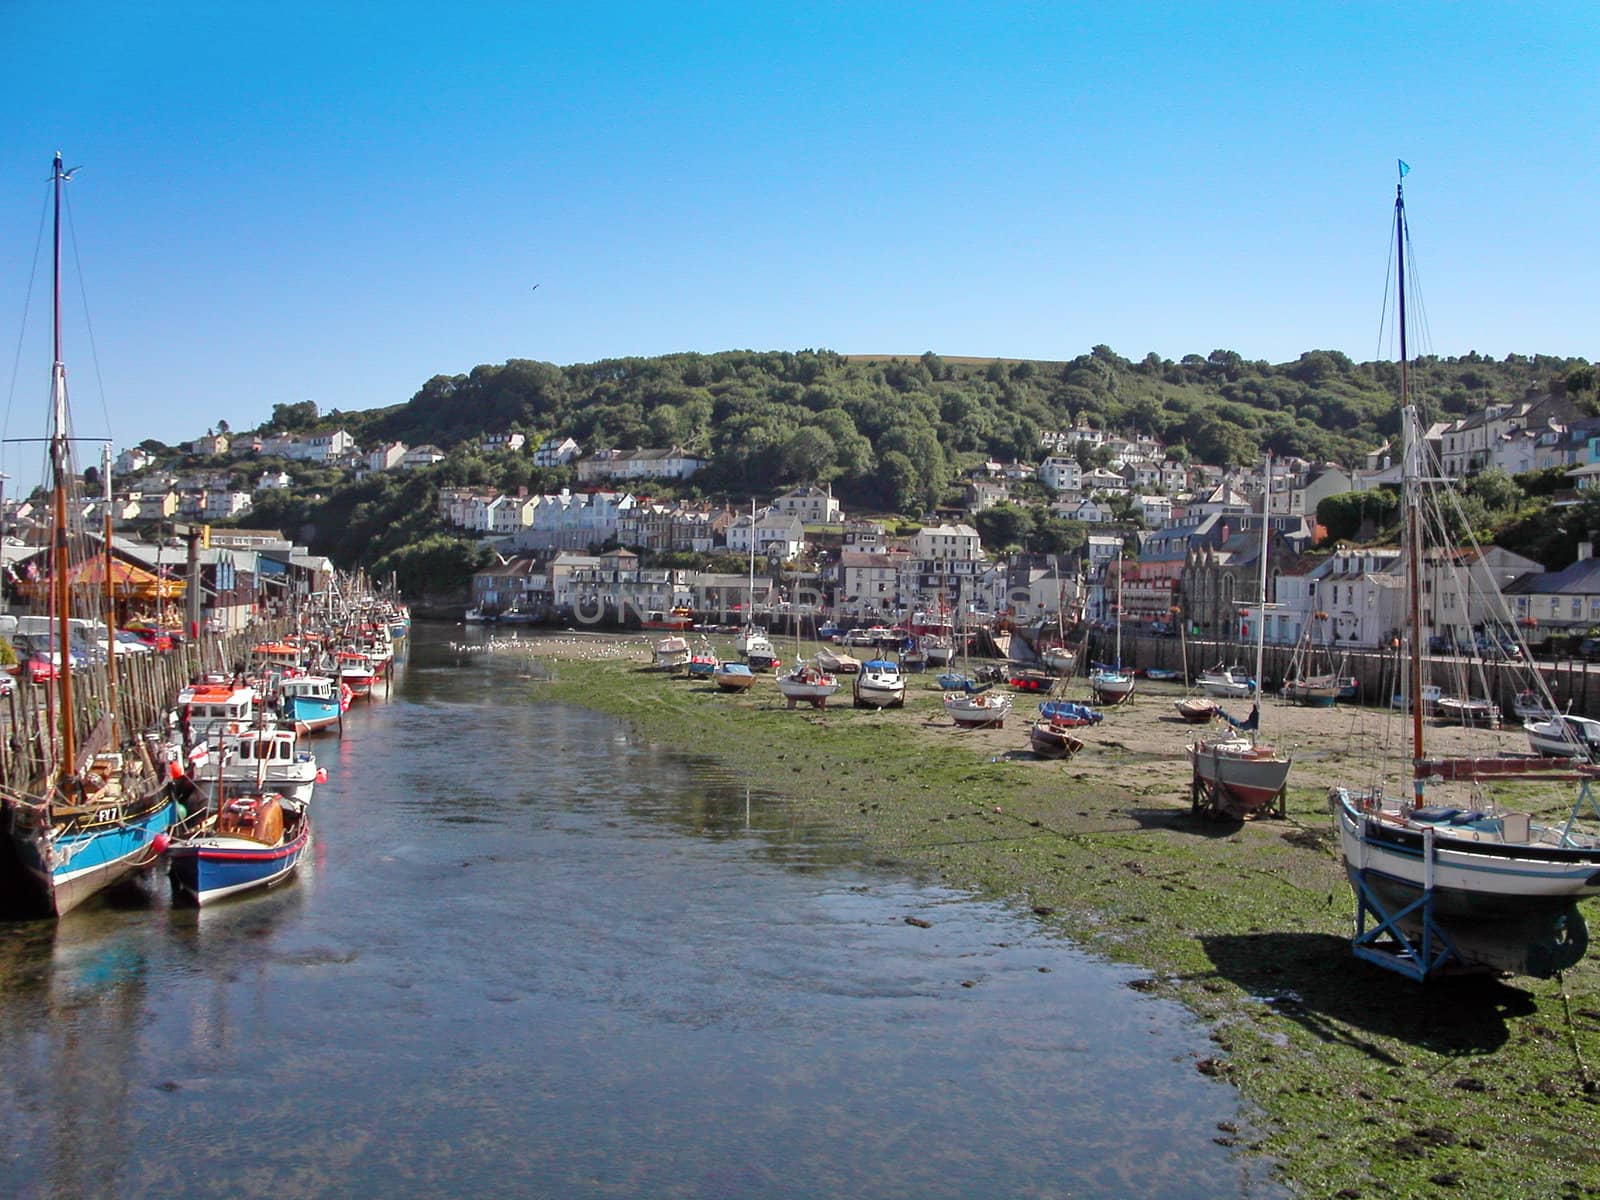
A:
[1314, 980]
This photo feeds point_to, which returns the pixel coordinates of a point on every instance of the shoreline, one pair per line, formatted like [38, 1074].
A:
[1364, 1084]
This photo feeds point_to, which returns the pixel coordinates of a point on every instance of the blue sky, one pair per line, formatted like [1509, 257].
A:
[335, 202]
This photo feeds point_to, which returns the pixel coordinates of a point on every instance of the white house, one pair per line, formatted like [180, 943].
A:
[556, 452]
[131, 460]
[210, 445]
[813, 505]
[1061, 473]
[672, 463]
[495, 443]
[421, 456]
[386, 457]
[220, 505]
[946, 543]
[271, 481]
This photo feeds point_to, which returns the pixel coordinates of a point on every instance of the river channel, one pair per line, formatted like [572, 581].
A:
[534, 956]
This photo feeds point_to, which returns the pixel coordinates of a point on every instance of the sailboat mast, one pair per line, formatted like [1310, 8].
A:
[110, 596]
[1411, 468]
[1261, 617]
[60, 465]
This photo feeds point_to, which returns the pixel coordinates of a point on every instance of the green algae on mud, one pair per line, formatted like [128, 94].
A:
[1365, 1084]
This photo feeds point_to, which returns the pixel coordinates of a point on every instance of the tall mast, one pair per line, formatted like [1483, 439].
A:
[110, 596]
[1412, 473]
[1261, 617]
[60, 468]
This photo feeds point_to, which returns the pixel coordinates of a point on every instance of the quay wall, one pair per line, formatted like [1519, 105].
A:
[147, 686]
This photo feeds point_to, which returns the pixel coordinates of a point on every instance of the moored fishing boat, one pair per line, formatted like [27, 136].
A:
[310, 703]
[257, 758]
[255, 841]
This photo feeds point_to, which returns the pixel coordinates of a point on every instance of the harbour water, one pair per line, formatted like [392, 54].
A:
[535, 957]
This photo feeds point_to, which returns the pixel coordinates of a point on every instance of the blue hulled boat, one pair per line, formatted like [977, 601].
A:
[255, 841]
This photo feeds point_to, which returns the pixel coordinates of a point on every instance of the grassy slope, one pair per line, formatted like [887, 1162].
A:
[1367, 1084]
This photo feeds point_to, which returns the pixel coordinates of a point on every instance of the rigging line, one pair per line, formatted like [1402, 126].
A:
[22, 323]
[88, 320]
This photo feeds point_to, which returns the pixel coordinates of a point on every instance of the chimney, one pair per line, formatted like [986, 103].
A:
[1585, 551]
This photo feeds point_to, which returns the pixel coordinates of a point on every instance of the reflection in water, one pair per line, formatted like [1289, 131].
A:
[534, 956]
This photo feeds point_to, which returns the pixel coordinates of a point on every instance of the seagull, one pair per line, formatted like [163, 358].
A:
[535, 288]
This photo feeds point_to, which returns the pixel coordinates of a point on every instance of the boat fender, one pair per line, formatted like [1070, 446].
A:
[160, 842]
[322, 774]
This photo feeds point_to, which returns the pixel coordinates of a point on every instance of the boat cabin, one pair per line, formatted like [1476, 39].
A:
[280, 655]
[307, 687]
[213, 706]
[257, 818]
[261, 747]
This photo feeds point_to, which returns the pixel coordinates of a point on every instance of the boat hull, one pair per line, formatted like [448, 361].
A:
[207, 869]
[1050, 739]
[1242, 778]
[1499, 907]
[49, 875]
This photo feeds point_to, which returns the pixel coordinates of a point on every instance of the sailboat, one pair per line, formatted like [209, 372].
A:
[806, 681]
[1111, 683]
[1236, 774]
[1308, 683]
[1446, 882]
[1195, 708]
[101, 809]
[752, 641]
[1058, 656]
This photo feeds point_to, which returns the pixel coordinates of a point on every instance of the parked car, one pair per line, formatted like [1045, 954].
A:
[1443, 644]
[1589, 649]
[129, 642]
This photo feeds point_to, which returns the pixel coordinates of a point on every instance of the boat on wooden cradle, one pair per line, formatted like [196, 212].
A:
[1235, 774]
[101, 804]
[672, 653]
[879, 684]
[733, 677]
[1475, 711]
[977, 710]
[255, 841]
[1445, 878]
[310, 703]
[809, 684]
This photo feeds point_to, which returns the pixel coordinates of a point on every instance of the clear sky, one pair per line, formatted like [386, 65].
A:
[336, 201]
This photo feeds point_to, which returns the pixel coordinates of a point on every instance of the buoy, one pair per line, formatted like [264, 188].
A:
[322, 774]
[160, 843]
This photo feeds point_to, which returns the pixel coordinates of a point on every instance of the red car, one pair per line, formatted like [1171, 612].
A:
[158, 640]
